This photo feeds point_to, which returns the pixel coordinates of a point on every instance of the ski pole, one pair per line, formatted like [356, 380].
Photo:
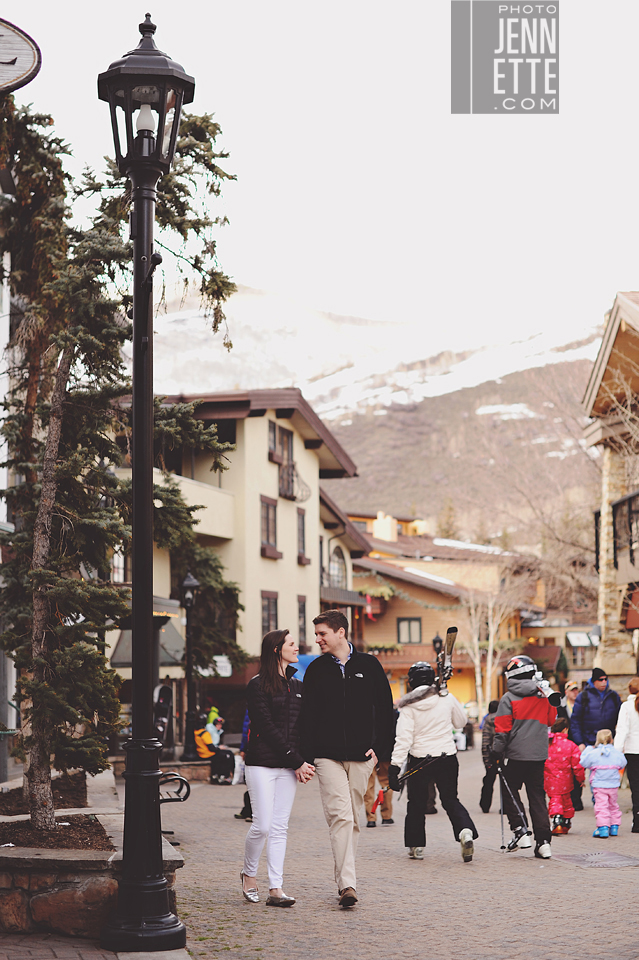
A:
[501, 814]
[424, 763]
[520, 810]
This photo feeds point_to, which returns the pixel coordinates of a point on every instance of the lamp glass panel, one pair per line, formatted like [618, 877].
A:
[145, 93]
[120, 119]
[169, 120]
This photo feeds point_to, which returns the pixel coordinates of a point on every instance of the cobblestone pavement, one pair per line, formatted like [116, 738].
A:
[49, 947]
[499, 907]
[502, 906]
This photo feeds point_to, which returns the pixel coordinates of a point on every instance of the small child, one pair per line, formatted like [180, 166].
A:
[562, 763]
[607, 765]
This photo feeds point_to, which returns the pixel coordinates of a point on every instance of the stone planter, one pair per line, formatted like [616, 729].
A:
[66, 891]
[72, 892]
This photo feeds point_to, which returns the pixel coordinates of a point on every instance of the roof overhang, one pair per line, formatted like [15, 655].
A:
[329, 512]
[288, 404]
[448, 588]
[616, 366]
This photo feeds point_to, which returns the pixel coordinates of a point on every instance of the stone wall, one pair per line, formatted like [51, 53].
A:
[615, 654]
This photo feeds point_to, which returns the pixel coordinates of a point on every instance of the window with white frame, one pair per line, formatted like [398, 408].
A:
[409, 629]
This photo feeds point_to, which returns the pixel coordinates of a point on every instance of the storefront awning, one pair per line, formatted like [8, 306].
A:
[577, 638]
[171, 648]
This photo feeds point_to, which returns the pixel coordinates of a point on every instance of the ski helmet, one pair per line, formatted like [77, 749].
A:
[421, 674]
[520, 668]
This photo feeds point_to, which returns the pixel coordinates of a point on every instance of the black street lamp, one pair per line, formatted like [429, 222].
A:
[438, 644]
[189, 590]
[145, 90]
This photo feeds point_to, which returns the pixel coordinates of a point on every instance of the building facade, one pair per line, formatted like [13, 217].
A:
[610, 402]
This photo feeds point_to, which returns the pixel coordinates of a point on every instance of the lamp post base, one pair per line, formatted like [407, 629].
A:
[152, 934]
[143, 919]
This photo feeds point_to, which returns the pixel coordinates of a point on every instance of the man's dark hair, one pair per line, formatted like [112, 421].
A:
[333, 619]
[492, 706]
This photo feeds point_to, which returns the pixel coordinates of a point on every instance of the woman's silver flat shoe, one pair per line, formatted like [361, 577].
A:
[252, 894]
[282, 901]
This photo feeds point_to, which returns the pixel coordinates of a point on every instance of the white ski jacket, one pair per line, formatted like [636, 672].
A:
[425, 725]
[627, 732]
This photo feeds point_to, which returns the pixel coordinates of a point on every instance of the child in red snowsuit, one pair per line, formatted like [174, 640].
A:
[561, 766]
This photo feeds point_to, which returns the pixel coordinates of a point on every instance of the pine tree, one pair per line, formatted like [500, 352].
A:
[63, 415]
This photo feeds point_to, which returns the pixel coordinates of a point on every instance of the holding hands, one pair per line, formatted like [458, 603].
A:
[305, 772]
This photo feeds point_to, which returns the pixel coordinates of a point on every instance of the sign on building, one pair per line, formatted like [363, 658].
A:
[20, 57]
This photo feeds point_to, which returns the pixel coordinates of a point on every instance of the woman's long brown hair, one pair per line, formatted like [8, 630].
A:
[270, 661]
[633, 687]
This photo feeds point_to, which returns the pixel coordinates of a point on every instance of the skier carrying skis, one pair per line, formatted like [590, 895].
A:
[521, 737]
[425, 731]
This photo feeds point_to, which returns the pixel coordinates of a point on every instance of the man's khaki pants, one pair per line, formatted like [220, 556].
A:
[370, 796]
[343, 784]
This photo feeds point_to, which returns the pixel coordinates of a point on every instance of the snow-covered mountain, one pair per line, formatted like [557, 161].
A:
[344, 365]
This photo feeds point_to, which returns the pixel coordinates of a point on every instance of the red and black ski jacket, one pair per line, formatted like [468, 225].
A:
[521, 722]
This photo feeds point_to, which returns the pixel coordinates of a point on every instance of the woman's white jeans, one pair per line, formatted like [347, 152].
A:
[272, 791]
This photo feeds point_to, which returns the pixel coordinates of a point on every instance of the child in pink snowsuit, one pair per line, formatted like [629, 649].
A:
[562, 764]
[607, 765]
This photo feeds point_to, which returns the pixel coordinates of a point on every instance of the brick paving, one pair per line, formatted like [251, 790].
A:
[500, 907]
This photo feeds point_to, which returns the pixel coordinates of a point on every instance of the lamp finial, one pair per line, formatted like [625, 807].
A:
[148, 28]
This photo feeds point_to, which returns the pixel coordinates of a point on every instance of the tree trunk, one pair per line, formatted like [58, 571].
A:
[489, 653]
[478, 683]
[31, 398]
[39, 771]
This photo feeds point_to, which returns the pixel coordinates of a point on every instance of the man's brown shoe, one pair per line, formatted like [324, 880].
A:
[347, 897]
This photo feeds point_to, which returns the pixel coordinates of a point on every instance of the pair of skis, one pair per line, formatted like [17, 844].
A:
[445, 662]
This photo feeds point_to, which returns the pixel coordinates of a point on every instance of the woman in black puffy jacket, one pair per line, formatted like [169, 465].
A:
[274, 764]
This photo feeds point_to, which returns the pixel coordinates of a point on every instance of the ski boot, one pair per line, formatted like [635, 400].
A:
[520, 840]
[466, 842]
[542, 850]
[567, 824]
[614, 830]
[556, 825]
[602, 832]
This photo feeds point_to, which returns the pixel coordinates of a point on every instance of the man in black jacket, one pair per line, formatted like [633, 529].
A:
[347, 726]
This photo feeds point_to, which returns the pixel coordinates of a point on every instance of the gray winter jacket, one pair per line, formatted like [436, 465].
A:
[521, 722]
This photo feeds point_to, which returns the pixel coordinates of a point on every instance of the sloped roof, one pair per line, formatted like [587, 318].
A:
[438, 549]
[355, 541]
[618, 357]
[288, 404]
[436, 584]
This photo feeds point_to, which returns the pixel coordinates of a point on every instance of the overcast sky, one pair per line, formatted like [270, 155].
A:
[357, 190]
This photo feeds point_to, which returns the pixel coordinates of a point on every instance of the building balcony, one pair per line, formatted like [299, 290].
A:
[292, 487]
[217, 518]
[339, 597]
